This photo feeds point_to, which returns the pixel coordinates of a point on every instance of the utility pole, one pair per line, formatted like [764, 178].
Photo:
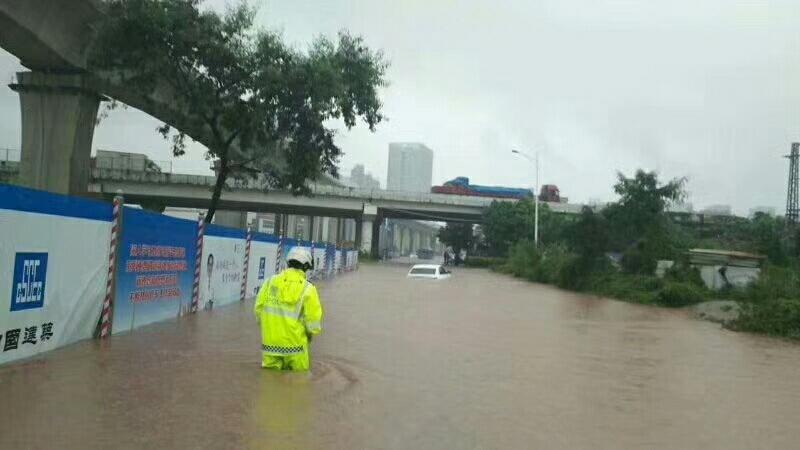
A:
[535, 194]
[536, 207]
[793, 190]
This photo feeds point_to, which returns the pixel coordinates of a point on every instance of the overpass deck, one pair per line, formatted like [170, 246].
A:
[186, 190]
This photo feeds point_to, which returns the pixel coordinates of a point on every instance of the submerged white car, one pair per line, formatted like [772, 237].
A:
[432, 271]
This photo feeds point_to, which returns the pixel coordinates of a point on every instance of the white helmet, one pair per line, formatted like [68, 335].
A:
[300, 255]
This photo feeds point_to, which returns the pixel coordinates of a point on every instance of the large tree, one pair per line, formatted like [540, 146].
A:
[262, 108]
[458, 235]
[505, 223]
[588, 236]
[638, 224]
[642, 204]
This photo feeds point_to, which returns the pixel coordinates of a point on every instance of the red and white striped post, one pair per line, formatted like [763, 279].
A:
[198, 261]
[279, 255]
[246, 264]
[107, 317]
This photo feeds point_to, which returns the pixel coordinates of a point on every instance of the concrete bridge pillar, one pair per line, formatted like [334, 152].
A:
[368, 230]
[316, 228]
[309, 234]
[325, 229]
[416, 241]
[291, 226]
[375, 249]
[58, 120]
[394, 237]
[365, 227]
[339, 231]
[333, 231]
[405, 240]
[360, 233]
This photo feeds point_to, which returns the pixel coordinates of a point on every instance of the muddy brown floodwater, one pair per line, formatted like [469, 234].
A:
[478, 361]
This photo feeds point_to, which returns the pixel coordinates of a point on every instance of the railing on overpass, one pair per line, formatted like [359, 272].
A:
[9, 164]
[104, 170]
[9, 155]
[112, 168]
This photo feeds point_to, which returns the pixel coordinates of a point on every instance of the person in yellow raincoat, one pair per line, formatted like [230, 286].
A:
[290, 313]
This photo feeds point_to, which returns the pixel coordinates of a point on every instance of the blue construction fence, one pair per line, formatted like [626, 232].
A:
[79, 268]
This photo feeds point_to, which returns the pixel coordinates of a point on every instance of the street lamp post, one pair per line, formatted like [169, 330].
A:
[534, 160]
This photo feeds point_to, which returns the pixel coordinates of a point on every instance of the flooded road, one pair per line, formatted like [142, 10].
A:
[478, 361]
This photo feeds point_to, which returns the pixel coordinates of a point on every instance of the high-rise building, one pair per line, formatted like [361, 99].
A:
[359, 178]
[410, 167]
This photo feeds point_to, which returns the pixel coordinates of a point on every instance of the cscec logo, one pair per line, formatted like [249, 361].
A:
[30, 275]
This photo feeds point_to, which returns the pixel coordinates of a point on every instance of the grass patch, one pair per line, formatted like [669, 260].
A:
[776, 317]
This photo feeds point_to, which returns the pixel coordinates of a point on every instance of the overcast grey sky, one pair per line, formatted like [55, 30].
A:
[705, 89]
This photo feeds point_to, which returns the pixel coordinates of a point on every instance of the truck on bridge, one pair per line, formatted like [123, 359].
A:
[461, 186]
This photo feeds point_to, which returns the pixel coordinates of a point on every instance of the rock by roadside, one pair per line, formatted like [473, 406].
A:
[720, 311]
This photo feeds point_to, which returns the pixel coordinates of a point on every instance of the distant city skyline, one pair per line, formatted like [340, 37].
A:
[360, 178]
[410, 167]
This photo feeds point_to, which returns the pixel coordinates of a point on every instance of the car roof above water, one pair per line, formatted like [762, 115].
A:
[425, 266]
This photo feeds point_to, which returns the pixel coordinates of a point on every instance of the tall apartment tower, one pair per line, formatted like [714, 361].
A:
[410, 167]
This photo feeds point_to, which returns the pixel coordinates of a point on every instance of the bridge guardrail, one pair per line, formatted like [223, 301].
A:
[10, 155]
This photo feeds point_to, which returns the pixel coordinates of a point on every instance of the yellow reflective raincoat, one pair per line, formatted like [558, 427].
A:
[289, 311]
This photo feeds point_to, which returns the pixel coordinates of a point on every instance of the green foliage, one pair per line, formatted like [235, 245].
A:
[506, 223]
[555, 266]
[589, 235]
[684, 273]
[638, 260]
[774, 282]
[642, 203]
[638, 226]
[677, 294]
[502, 227]
[657, 243]
[632, 288]
[523, 259]
[552, 264]
[458, 235]
[261, 107]
[762, 234]
[771, 305]
[768, 233]
[778, 317]
[483, 261]
[572, 272]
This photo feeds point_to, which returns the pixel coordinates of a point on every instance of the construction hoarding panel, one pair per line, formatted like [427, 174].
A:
[53, 270]
[222, 266]
[156, 268]
[263, 252]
